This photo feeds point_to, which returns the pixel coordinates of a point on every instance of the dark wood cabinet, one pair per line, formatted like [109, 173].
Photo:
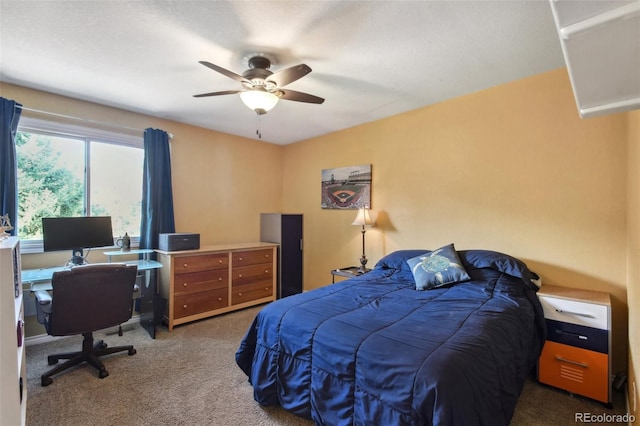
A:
[286, 231]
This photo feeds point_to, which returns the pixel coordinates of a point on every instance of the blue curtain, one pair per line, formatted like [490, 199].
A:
[157, 195]
[10, 115]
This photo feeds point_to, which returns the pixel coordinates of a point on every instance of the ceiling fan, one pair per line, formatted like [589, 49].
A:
[262, 88]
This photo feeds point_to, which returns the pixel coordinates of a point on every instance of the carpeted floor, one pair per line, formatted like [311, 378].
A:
[189, 377]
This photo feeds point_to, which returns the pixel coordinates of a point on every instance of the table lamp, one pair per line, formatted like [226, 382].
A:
[363, 219]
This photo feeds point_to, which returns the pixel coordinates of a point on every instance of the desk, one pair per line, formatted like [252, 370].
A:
[40, 279]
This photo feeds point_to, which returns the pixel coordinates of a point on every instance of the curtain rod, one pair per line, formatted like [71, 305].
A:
[38, 111]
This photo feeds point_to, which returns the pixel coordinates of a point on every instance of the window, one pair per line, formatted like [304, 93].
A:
[66, 170]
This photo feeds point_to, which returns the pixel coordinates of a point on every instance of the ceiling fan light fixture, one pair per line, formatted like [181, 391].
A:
[259, 101]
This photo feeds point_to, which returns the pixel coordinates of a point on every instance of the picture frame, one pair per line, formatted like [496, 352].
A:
[346, 188]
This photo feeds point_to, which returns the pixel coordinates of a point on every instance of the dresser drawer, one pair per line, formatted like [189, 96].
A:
[250, 274]
[593, 339]
[575, 312]
[203, 262]
[576, 370]
[248, 292]
[195, 303]
[252, 257]
[201, 281]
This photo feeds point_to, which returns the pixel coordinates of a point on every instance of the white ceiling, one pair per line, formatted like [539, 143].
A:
[370, 59]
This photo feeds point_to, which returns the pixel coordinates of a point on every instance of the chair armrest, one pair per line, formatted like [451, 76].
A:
[44, 305]
[136, 291]
[43, 297]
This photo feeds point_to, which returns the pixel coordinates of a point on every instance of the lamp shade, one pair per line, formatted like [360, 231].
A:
[259, 101]
[363, 218]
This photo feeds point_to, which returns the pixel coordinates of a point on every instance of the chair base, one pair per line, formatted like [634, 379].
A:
[90, 353]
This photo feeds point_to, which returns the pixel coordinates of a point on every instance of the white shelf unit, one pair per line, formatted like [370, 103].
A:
[600, 41]
[13, 363]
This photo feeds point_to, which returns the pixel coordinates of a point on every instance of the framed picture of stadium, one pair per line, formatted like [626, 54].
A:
[346, 187]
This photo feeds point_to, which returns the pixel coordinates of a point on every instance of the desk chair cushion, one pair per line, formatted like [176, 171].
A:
[89, 297]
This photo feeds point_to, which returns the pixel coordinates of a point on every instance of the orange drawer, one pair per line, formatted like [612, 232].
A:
[202, 262]
[246, 293]
[201, 281]
[251, 257]
[251, 274]
[195, 303]
[576, 370]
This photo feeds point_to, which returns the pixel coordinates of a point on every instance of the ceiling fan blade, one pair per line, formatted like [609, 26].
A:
[226, 72]
[292, 95]
[289, 75]
[225, 92]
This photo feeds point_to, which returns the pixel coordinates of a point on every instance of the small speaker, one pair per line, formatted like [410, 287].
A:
[179, 241]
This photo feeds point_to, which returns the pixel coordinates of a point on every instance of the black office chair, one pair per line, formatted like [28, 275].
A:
[85, 299]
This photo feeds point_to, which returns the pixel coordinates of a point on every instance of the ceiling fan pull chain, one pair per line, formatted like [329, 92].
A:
[258, 130]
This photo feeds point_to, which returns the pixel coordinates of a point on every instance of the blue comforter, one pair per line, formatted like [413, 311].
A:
[373, 350]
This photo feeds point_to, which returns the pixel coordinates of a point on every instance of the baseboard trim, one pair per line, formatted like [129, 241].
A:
[45, 338]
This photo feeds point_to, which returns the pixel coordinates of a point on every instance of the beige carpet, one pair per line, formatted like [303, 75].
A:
[189, 377]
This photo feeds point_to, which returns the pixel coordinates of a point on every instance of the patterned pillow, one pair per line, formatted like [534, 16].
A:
[437, 268]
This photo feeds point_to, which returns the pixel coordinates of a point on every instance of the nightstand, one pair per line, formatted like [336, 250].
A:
[577, 354]
[348, 272]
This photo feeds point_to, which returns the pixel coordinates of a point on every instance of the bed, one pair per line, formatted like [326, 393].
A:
[375, 349]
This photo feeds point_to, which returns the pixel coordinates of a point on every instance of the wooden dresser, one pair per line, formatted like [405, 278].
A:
[577, 354]
[216, 279]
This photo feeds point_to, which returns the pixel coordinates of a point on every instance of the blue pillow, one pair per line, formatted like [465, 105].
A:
[398, 259]
[500, 262]
[437, 268]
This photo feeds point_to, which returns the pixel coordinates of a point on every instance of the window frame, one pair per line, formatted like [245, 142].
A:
[87, 133]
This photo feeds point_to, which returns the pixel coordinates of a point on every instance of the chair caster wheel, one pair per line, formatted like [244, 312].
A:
[132, 352]
[46, 381]
[102, 345]
[52, 360]
[103, 373]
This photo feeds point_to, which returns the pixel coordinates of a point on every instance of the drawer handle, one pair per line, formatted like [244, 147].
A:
[579, 314]
[266, 271]
[185, 284]
[580, 364]
[239, 275]
[220, 261]
[219, 278]
[184, 306]
[185, 265]
[239, 294]
[579, 336]
[219, 299]
[239, 258]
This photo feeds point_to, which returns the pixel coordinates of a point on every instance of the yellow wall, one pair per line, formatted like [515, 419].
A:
[633, 258]
[512, 169]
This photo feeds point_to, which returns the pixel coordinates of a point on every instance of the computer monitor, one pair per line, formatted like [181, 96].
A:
[76, 234]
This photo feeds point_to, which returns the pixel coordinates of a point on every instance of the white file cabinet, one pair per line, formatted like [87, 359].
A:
[577, 354]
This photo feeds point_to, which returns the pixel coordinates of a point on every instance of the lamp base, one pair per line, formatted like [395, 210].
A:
[363, 264]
